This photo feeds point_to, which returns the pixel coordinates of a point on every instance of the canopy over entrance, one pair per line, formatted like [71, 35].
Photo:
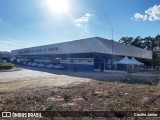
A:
[125, 61]
[136, 61]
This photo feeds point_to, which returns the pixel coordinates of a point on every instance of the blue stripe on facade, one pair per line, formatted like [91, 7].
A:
[78, 67]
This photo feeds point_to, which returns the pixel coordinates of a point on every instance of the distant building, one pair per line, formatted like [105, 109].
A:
[5, 54]
[86, 54]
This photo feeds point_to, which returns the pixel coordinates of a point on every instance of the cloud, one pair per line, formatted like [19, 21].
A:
[151, 14]
[138, 17]
[84, 19]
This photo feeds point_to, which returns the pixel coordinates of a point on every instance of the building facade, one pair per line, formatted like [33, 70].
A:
[87, 54]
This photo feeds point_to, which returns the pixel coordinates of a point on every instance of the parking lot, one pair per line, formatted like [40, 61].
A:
[27, 78]
[32, 77]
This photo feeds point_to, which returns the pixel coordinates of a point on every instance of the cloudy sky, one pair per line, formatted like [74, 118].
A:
[26, 23]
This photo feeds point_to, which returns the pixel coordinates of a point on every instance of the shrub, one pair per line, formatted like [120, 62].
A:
[66, 96]
[158, 84]
[50, 107]
[6, 66]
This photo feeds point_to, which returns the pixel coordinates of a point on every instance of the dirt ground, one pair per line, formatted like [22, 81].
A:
[40, 89]
[32, 77]
[25, 79]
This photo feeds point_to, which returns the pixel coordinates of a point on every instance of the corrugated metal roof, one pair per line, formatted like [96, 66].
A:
[88, 45]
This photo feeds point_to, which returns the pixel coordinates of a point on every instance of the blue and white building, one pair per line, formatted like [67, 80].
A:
[86, 54]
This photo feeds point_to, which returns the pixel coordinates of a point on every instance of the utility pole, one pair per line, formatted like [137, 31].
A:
[112, 34]
[110, 25]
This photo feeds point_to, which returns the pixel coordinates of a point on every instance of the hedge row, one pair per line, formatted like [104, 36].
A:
[6, 66]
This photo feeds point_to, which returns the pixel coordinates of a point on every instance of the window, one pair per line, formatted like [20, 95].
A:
[89, 60]
[53, 49]
[20, 52]
[56, 48]
[38, 50]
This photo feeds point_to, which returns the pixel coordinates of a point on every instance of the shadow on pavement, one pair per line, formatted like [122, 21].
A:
[101, 76]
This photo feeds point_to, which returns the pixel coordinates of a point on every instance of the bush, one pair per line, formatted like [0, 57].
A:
[6, 66]
[66, 96]
[158, 84]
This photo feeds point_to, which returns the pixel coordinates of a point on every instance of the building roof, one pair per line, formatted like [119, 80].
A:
[88, 45]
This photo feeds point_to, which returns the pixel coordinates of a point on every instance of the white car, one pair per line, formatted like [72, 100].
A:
[24, 63]
[50, 66]
[41, 65]
[59, 67]
[29, 64]
[34, 64]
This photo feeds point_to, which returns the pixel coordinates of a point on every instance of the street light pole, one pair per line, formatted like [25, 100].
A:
[112, 34]
[110, 25]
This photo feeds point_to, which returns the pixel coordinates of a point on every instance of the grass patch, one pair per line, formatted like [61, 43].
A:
[35, 98]
[117, 104]
[19, 100]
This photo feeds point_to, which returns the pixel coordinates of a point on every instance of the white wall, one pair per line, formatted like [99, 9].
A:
[78, 61]
[42, 60]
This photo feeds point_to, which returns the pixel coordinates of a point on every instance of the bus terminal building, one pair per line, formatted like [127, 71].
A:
[87, 54]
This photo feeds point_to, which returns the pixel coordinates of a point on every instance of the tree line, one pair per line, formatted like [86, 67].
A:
[146, 43]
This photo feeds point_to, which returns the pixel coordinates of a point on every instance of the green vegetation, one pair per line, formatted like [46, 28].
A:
[1, 56]
[6, 66]
[50, 107]
[158, 83]
[116, 104]
[19, 100]
[35, 98]
[66, 96]
[148, 42]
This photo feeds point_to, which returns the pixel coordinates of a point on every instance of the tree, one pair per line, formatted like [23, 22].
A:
[157, 39]
[138, 42]
[149, 43]
[1, 55]
[126, 40]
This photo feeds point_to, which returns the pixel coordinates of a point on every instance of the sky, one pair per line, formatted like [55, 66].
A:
[29, 23]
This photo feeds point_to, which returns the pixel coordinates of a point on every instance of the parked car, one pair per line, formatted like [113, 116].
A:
[29, 63]
[34, 64]
[24, 63]
[59, 66]
[50, 66]
[41, 65]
